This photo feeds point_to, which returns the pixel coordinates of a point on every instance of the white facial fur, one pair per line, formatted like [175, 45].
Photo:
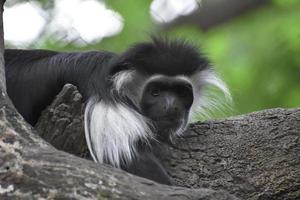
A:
[112, 130]
[205, 102]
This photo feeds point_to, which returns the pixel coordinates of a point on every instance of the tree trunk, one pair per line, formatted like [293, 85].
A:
[255, 156]
[2, 71]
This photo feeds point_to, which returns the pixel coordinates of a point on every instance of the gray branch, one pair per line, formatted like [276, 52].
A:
[215, 12]
[2, 71]
[31, 168]
[255, 156]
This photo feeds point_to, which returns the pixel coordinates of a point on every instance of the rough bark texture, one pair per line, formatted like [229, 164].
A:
[61, 124]
[255, 156]
[2, 71]
[30, 168]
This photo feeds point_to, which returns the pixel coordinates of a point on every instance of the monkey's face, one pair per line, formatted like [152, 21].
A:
[167, 102]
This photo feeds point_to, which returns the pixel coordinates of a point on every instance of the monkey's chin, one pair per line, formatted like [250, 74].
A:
[165, 129]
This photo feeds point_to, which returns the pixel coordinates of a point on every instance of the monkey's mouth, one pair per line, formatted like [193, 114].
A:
[168, 124]
[168, 119]
[166, 128]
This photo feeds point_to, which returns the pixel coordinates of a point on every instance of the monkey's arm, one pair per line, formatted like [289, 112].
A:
[147, 165]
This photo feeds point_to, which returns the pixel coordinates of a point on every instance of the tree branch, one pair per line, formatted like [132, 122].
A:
[30, 168]
[215, 12]
[2, 71]
[252, 156]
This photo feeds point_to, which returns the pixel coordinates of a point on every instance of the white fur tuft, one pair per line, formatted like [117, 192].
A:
[112, 131]
[206, 102]
[209, 77]
[179, 131]
[121, 78]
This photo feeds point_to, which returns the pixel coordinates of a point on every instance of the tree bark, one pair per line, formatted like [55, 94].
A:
[30, 168]
[254, 156]
[2, 71]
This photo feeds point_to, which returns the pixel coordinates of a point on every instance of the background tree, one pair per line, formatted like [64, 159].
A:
[2, 71]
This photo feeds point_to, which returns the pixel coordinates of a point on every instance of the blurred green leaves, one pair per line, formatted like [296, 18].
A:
[137, 23]
[257, 54]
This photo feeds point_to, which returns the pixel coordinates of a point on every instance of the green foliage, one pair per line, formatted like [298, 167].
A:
[257, 54]
[137, 24]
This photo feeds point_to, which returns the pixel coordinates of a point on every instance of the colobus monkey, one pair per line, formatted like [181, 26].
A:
[133, 100]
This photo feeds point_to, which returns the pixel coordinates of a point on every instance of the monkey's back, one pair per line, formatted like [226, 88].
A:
[34, 77]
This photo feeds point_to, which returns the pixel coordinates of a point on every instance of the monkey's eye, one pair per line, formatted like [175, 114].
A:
[155, 92]
[184, 90]
[184, 93]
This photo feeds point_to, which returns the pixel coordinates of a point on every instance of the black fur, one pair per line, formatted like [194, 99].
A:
[174, 58]
[34, 77]
[148, 166]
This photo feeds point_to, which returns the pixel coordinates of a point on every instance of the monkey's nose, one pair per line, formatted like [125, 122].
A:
[172, 111]
[169, 103]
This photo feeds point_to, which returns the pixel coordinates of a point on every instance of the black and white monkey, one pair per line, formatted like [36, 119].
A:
[133, 100]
